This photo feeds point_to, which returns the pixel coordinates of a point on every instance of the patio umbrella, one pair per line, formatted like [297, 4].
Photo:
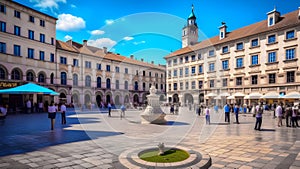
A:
[29, 88]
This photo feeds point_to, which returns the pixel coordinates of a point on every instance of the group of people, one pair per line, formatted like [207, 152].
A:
[290, 113]
[53, 109]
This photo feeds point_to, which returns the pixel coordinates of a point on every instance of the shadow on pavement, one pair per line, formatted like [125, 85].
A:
[176, 123]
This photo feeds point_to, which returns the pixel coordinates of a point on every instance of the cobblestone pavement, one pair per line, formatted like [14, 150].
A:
[93, 140]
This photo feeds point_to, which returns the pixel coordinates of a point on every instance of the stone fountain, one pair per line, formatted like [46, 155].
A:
[153, 113]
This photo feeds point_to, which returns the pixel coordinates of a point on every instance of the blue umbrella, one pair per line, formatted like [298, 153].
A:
[29, 88]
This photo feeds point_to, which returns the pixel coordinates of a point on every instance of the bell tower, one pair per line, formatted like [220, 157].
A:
[190, 31]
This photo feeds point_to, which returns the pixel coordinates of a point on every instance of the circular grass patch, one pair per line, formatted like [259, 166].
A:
[170, 156]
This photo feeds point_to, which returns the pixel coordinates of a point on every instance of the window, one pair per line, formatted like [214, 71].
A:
[42, 38]
[88, 64]
[224, 82]
[2, 26]
[63, 60]
[193, 70]
[126, 85]
[2, 8]
[186, 71]
[108, 68]
[180, 72]
[200, 56]
[75, 80]
[52, 57]
[169, 62]
[225, 49]
[2, 73]
[175, 73]
[63, 78]
[30, 53]
[52, 41]
[2, 47]
[136, 85]
[117, 84]
[272, 78]
[169, 74]
[30, 76]
[17, 50]
[271, 57]
[271, 21]
[144, 86]
[186, 59]
[254, 60]
[211, 67]
[211, 53]
[239, 62]
[126, 70]
[150, 74]
[17, 30]
[17, 14]
[98, 66]
[144, 73]
[31, 34]
[52, 78]
[41, 78]
[193, 85]
[200, 83]
[271, 39]
[254, 42]
[108, 83]
[290, 77]
[42, 23]
[175, 86]
[31, 19]
[239, 81]
[75, 63]
[88, 81]
[15, 75]
[181, 60]
[181, 86]
[225, 65]
[240, 46]
[211, 83]
[254, 80]
[193, 58]
[174, 61]
[117, 69]
[42, 55]
[290, 34]
[290, 54]
[98, 82]
[200, 68]
[186, 85]
[222, 35]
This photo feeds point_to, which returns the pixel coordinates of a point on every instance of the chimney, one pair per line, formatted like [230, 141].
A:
[152, 62]
[223, 30]
[131, 56]
[84, 42]
[142, 60]
[105, 49]
[70, 42]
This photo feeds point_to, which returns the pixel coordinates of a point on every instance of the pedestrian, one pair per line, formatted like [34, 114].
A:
[172, 109]
[28, 106]
[227, 113]
[216, 108]
[176, 109]
[123, 108]
[294, 116]
[63, 110]
[199, 110]
[288, 114]
[52, 114]
[41, 107]
[258, 115]
[109, 109]
[236, 112]
[279, 114]
[207, 115]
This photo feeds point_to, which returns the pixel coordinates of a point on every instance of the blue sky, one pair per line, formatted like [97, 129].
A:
[149, 29]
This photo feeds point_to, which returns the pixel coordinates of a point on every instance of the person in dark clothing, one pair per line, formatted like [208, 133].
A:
[288, 113]
[236, 112]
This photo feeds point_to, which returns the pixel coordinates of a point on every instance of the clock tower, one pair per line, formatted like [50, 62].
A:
[190, 31]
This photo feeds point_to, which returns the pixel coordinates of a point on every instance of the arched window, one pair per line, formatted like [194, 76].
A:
[63, 78]
[2, 73]
[88, 81]
[136, 85]
[75, 79]
[41, 78]
[126, 85]
[117, 84]
[98, 82]
[52, 78]
[108, 83]
[15, 75]
[30, 76]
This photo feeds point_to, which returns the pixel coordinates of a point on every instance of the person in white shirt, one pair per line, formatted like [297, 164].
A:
[63, 110]
[207, 115]
[52, 113]
[28, 105]
[279, 114]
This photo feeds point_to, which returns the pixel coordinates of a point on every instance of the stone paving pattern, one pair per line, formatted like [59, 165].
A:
[27, 142]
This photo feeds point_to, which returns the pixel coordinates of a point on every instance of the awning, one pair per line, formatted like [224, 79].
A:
[292, 95]
[224, 94]
[218, 97]
[29, 88]
[211, 95]
[271, 95]
[255, 96]
[238, 95]
[230, 97]
[247, 97]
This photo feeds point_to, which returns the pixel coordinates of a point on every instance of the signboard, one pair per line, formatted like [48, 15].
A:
[7, 85]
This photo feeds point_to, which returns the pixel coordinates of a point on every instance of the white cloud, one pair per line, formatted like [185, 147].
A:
[68, 37]
[138, 43]
[109, 21]
[68, 22]
[97, 32]
[73, 6]
[44, 4]
[102, 42]
[128, 38]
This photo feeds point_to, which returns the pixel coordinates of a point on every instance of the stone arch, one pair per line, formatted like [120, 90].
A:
[99, 98]
[108, 97]
[188, 98]
[3, 72]
[41, 77]
[126, 99]
[136, 98]
[16, 74]
[201, 98]
[175, 98]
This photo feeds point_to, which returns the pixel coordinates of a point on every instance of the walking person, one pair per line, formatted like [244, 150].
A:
[294, 116]
[63, 110]
[52, 114]
[109, 109]
[207, 115]
[279, 114]
[258, 115]
[172, 109]
[122, 111]
[288, 114]
[28, 106]
[227, 113]
[236, 112]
